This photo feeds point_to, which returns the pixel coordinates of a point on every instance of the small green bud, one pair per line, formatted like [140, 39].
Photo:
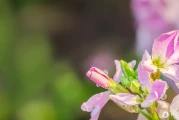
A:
[124, 81]
[130, 78]
[127, 70]
[135, 86]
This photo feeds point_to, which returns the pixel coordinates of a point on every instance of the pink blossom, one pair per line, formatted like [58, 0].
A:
[158, 90]
[125, 99]
[97, 101]
[144, 78]
[164, 56]
[95, 104]
[99, 77]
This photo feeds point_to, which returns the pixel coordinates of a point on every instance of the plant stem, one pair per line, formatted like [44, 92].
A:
[142, 112]
[117, 88]
[171, 117]
[152, 111]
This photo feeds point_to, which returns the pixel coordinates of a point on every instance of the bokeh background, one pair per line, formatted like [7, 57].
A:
[46, 47]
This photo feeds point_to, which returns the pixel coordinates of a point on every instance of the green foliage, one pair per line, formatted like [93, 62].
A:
[5, 106]
[124, 81]
[127, 70]
[34, 86]
[37, 110]
[129, 79]
[135, 86]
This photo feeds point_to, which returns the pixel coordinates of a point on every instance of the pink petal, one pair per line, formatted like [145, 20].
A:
[159, 87]
[172, 72]
[146, 56]
[118, 71]
[164, 45]
[95, 113]
[99, 77]
[132, 63]
[147, 63]
[177, 84]
[175, 57]
[158, 90]
[144, 77]
[125, 99]
[149, 100]
[174, 107]
[95, 104]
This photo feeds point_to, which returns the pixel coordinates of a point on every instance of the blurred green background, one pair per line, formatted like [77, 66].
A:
[46, 47]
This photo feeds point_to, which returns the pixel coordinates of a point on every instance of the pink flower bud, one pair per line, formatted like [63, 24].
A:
[99, 77]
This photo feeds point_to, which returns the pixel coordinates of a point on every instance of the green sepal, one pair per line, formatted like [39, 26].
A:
[148, 117]
[117, 88]
[135, 86]
[130, 78]
[127, 70]
[124, 81]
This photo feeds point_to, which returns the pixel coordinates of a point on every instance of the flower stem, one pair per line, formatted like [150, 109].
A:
[152, 111]
[171, 117]
[142, 112]
[117, 88]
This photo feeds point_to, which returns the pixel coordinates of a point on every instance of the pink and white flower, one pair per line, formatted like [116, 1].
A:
[158, 90]
[97, 101]
[95, 104]
[155, 90]
[125, 99]
[164, 56]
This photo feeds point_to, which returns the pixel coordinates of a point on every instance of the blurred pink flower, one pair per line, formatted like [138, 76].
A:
[151, 21]
[100, 58]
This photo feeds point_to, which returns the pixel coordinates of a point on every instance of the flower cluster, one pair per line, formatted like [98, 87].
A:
[142, 90]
